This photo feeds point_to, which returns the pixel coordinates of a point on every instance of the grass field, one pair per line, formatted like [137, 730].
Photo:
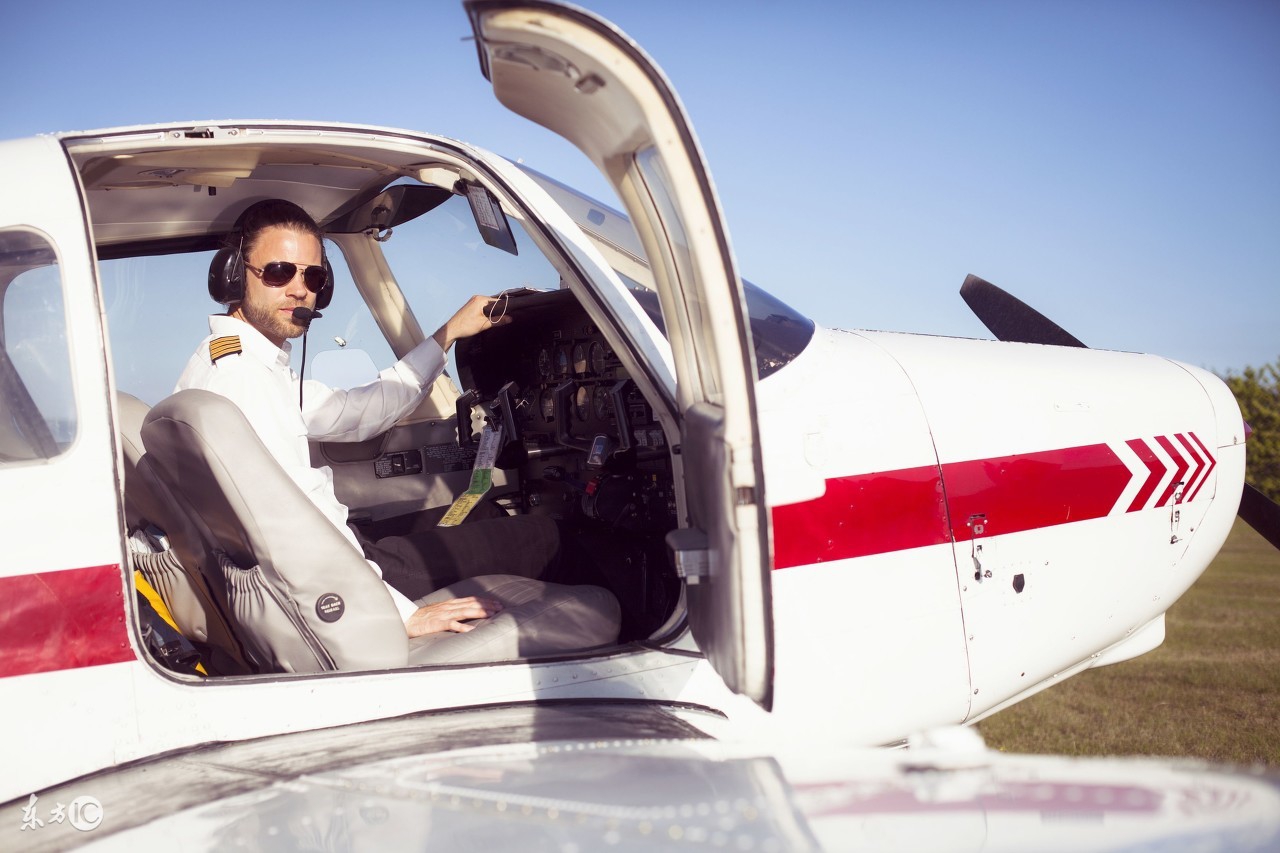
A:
[1212, 690]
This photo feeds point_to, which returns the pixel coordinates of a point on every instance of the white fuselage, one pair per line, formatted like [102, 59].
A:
[879, 450]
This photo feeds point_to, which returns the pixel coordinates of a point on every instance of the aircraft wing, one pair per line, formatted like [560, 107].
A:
[637, 776]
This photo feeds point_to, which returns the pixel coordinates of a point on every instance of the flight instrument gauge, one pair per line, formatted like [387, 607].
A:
[600, 401]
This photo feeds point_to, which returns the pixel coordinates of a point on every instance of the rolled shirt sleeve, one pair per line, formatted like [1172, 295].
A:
[358, 414]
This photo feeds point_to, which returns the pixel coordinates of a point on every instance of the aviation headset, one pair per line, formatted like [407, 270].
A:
[226, 271]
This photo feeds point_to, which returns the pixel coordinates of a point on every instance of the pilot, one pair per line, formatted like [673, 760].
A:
[273, 264]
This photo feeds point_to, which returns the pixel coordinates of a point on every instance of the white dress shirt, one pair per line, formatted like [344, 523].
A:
[259, 380]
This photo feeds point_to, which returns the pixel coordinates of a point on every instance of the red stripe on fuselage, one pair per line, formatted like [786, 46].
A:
[62, 620]
[1033, 490]
[862, 515]
[887, 511]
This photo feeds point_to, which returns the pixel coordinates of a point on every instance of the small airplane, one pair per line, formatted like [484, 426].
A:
[813, 533]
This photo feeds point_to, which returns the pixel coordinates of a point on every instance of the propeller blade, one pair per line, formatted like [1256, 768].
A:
[1261, 513]
[1011, 319]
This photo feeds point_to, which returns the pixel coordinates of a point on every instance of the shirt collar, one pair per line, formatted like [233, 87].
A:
[254, 343]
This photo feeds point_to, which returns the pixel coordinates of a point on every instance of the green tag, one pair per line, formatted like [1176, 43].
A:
[481, 478]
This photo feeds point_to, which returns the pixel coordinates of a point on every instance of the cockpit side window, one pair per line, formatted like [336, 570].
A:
[37, 404]
[158, 308]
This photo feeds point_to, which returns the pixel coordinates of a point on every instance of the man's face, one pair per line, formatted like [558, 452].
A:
[270, 309]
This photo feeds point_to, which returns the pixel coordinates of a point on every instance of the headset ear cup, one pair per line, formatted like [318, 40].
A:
[226, 277]
[325, 296]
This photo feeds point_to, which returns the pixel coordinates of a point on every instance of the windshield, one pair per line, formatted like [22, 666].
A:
[438, 261]
[779, 332]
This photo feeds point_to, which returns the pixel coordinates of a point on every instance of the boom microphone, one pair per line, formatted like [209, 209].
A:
[306, 315]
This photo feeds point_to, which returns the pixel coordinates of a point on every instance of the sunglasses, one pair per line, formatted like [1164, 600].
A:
[280, 273]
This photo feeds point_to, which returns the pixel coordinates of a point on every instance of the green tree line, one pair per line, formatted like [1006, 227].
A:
[1258, 392]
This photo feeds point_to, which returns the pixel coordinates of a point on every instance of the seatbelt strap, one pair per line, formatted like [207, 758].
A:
[172, 648]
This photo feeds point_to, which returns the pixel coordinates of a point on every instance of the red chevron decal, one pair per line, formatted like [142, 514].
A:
[1177, 480]
[1199, 468]
[1192, 465]
[1154, 466]
[1213, 463]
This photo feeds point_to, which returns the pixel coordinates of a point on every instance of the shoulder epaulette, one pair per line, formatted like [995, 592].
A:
[226, 345]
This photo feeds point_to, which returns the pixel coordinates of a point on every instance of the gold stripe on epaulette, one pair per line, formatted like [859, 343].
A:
[227, 345]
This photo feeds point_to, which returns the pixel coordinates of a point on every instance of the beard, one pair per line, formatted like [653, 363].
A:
[270, 321]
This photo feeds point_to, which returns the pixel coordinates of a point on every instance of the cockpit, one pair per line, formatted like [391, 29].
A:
[580, 382]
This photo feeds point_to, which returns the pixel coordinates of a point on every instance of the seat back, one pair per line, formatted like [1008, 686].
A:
[182, 587]
[299, 594]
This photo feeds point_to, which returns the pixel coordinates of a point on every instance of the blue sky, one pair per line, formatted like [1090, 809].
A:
[1115, 164]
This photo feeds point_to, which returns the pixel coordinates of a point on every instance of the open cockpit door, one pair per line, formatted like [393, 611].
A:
[580, 77]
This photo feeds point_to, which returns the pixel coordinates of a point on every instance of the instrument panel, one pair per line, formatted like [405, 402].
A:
[580, 444]
[567, 387]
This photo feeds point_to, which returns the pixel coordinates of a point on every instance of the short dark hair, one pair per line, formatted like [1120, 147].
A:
[268, 214]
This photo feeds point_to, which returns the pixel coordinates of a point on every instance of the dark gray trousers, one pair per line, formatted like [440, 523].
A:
[417, 557]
